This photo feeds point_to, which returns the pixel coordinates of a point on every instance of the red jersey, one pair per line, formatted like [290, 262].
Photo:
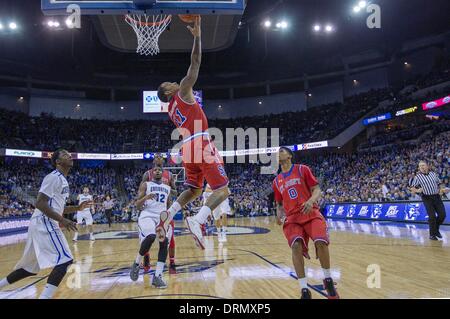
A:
[190, 118]
[293, 188]
[166, 177]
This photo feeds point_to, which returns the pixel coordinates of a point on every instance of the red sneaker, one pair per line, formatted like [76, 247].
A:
[328, 284]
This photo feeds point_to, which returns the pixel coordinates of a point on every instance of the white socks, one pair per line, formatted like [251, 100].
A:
[326, 273]
[139, 259]
[303, 283]
[159, 268]
[76, 236]
[48, 292]
[173, 210]
[202, 215]
[3, 283]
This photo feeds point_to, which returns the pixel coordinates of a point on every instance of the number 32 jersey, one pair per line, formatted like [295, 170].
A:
[159, 204]
[293, 188]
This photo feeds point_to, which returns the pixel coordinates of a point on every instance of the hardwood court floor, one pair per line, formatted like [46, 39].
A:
[254, 263]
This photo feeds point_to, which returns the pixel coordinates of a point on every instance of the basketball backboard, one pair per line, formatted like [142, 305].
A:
[220, 21]
[97, 7]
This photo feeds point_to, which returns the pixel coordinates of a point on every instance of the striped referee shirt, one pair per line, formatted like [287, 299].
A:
[428, 182]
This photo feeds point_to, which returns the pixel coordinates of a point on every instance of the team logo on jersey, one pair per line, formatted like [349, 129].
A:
[65, 190]
[392, 212]
[351, 211]
[363, 211]
[376, 212]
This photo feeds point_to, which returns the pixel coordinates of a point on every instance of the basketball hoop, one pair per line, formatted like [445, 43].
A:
[148, 28]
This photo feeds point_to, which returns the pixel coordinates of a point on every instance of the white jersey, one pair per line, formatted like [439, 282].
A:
[85, 198]
[56, 187]
[159, 204]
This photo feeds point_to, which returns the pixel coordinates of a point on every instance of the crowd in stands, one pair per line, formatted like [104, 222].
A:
[365, 175]
[409, 129]
[48, 133]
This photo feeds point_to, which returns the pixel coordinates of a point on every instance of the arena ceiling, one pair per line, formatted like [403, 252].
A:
[80, 55]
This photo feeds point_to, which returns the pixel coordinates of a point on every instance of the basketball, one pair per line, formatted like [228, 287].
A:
[188, 18]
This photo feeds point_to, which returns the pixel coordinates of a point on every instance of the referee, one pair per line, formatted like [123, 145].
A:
[428, 184]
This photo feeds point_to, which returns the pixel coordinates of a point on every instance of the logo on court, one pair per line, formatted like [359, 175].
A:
[131, 234]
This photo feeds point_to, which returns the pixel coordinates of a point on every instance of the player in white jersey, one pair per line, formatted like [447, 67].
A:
[86, 214]
[152, 199]
[219, 214]
[46, 245]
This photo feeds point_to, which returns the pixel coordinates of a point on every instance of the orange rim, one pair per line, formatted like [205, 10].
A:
[147, 24]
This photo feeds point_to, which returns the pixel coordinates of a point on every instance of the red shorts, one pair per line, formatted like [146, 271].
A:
[302, 227]
[202, 161]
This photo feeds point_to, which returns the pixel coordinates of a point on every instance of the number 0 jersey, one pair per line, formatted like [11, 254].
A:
[293, 188]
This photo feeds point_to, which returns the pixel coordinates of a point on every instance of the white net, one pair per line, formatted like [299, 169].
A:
[148, 28]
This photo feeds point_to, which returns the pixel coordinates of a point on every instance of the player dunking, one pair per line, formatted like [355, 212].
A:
[86, 214]
[46, 245]
[200, 157]
[152, 198]
[167, 179]
[297, 192]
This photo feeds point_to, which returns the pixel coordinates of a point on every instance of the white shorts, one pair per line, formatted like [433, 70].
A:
[46, 246]
[147, 226]
[224, 208]
[87, 216]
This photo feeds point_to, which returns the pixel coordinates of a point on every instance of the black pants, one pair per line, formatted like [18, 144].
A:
[434, 206]
[108, 213]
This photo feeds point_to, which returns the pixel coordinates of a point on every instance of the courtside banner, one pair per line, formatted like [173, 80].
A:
[408, 211]
[310, 146]
[88, 156]
[437, 103]
[134, 156]
[22, 153]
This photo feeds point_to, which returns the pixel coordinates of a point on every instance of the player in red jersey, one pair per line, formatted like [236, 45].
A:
[297, 192]
[170, 181]
[200, 157]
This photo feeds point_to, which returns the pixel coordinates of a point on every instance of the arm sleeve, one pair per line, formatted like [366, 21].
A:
[278, 196]
[49, 185]
[308, 176]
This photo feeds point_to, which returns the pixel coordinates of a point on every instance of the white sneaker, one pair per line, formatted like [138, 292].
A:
[91, 238]
[75, 239]
[196, 231]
